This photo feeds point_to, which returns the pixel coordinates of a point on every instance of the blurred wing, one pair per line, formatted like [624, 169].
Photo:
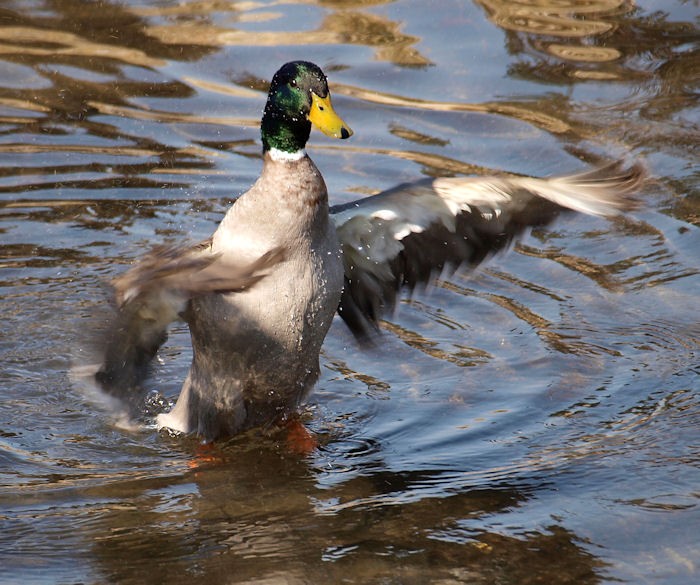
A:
[404, 236]
[154, 293]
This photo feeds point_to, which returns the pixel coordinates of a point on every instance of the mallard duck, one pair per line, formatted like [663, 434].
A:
[259, 295]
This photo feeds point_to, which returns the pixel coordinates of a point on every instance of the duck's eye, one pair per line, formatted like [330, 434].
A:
[293, 83]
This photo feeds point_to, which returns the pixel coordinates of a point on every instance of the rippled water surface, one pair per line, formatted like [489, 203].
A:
[535, 421]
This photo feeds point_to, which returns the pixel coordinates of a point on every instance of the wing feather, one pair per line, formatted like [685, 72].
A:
[405, 236]
[153, 294]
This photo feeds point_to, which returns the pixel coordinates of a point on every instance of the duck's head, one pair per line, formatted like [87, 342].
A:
[299, 97]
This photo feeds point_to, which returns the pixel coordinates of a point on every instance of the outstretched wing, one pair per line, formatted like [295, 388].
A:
[154, 293]
[404, 236]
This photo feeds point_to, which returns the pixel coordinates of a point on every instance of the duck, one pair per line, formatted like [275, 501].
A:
[260, 294]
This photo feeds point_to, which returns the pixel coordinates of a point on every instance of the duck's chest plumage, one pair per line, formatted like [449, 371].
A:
[258, 350]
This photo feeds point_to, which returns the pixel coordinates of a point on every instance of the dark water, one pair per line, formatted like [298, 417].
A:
[534, 422]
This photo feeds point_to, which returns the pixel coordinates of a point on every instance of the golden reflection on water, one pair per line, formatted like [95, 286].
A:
[581, 53]
[17, 40]
[561, 18]
[187, 31]
[164, 116]
[584, 24]
[517, 111]
[112, 97]
[340, 27]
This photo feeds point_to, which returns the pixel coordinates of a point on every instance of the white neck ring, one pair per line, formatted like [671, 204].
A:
[282, 156]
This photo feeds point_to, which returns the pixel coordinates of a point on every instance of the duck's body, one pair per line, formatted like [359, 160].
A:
[256, 352]
[260, 295]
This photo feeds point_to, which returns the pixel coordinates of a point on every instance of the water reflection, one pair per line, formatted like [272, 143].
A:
[560, 19]
[534, 422]
[232, 517]
[81, 60]
[345, 24]
[595, 33]
[613, 40]
[582, 30]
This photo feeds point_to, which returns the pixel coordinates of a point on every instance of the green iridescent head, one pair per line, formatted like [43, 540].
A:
[299, 97]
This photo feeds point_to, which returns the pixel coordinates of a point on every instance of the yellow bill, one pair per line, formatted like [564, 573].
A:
[323, 116]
